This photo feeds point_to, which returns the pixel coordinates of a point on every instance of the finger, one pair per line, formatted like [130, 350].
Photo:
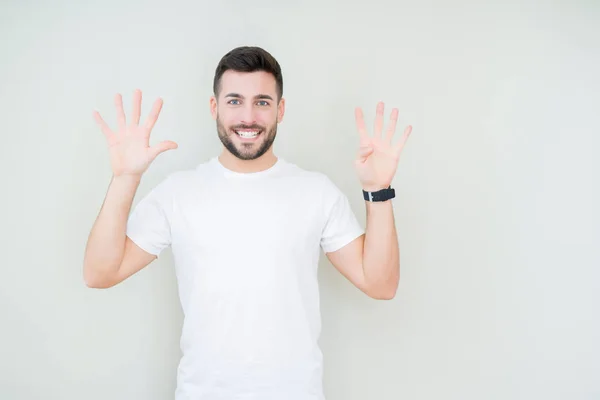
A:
[103, 126]
[378, 120]
[137, 107]
[153, 116]
[392, 126]
[121, 121]
[400, 145]
[364, 153]
[162, 147]
[360, 123]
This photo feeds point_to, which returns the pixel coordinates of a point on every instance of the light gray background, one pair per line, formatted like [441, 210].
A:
[498, 188]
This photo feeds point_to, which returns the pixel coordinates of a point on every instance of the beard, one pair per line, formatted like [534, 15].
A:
[247, 151]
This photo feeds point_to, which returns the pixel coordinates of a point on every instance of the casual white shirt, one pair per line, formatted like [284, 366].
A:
[246, 248]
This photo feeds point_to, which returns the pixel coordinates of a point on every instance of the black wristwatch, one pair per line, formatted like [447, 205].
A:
[380, 195]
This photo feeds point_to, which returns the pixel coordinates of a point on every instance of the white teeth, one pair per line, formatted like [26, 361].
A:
[247, 134]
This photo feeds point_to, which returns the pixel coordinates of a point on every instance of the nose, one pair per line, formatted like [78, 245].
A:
[247, 115]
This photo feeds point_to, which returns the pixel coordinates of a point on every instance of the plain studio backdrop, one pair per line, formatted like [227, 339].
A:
[497, 188]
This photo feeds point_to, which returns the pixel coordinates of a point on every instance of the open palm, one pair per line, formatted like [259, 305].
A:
[377, 158]
[129, 145]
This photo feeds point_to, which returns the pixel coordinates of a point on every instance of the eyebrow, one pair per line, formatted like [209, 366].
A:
[258, 96]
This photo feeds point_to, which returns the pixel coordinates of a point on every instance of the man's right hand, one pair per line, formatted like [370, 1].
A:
[129, 144]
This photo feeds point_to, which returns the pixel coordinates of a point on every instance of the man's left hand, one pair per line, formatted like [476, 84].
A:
[377, 158]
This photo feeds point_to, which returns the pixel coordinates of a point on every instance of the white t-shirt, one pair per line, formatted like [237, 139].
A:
[246, 248]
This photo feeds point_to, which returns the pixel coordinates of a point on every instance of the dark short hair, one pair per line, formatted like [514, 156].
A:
[249, 59]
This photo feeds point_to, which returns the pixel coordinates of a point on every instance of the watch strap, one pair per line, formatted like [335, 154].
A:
[380, 195]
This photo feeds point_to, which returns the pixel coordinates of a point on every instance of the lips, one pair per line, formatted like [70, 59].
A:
[248, 134]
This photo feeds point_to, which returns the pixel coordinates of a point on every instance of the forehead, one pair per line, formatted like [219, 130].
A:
[248, 83]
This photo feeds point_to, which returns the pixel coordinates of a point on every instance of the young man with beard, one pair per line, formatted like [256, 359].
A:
[246, 229]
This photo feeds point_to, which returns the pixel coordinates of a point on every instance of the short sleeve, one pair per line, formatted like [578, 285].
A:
[148, 224]
[341, 226]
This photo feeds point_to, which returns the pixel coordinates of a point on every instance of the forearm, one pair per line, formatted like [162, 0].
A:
[106, 242]
[380, 253]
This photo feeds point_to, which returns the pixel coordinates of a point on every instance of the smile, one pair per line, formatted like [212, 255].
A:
[248, 134]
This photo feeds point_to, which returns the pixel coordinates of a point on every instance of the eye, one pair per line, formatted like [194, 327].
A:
[263, 103]
[232, 101]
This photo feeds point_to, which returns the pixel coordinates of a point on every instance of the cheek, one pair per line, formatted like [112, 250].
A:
[226, 119]
[267, 117]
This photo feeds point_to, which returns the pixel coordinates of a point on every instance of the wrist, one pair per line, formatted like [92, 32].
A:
[378, 193]
[374, 188]
[126, 179]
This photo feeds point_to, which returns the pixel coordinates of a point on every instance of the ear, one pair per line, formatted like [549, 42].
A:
[280, 110]
[213, 107]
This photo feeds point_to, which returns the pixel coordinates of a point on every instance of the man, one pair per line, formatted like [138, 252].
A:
[246, 229]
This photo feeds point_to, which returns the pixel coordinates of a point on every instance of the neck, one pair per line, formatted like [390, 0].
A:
[233, 163]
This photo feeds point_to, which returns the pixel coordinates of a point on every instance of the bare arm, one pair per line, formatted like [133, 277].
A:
[371, 262]
[110, 257]
[381, 251]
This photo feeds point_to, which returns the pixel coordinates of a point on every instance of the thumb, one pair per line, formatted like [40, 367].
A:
[162, 147]
[364, 153]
